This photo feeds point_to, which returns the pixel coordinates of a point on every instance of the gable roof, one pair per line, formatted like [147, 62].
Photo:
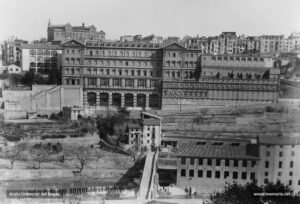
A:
[224, 151]
[74, 43]
[174, 46]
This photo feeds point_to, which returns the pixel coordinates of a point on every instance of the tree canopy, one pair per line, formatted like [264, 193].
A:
[251, 193]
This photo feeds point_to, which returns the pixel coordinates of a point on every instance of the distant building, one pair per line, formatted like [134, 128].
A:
[153, 39]
[145, 132]
[11, 52]
[11, 69]
[130, 38]
[41, 56]
[67, 32]
[72, 112]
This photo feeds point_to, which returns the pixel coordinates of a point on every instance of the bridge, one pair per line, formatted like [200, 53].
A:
[148, 188]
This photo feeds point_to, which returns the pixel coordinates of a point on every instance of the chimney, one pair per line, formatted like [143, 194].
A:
[82, 24]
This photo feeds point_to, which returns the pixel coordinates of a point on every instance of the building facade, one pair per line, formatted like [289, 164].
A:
[126, 74]
[146, 75]
[67, 32]
[145, 133]
[40, 56]
[11, 52]
[279, 161]
[206, 166]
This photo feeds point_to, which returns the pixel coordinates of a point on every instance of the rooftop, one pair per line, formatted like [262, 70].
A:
[280, 140]
[218, 149]
[41, 46]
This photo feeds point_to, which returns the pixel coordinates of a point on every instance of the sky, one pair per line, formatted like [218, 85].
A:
[28, 19]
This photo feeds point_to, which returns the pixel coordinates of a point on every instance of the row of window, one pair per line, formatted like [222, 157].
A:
[177, 74]
[238, 59]
[179, 64]
[117, 82]
[267, 164]
[187, 55]
[133, 45]
[120, 53]
[123, 63]
[219, 162]
[217, 174]
[45, 58]
[292, 154]
[41, 52]
[72, 61]
[120, 72]
[45, 65]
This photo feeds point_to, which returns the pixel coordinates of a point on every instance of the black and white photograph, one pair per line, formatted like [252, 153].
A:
[150, 102]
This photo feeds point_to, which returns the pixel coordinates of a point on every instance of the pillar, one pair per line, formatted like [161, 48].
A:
[147, 100]
[109, 98]
[84, 98]
[123, 82]
[85, 81]
[135, 84]
[134, 100]
[110, 82]
[97, 98]
[98, 82]
[148, 83]
[122, 99]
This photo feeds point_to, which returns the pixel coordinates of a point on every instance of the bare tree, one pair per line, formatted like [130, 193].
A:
[81, 154]
[41, 156]
[98, 156]
[12, 156]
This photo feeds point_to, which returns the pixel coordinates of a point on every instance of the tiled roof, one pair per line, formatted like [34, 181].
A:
[279, 140]
[154, 122]
[224, 151]
[41, 46]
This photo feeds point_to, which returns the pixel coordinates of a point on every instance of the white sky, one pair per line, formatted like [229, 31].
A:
[28, 19]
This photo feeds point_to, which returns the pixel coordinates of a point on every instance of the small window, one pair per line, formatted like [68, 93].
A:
[236, 163]
[217, 174]
[280, 154]
[226, 174]
[208, 174]
[244, 175]
[209, 162]
[235, 175]
[280, 164]
[279, 173]
[200, 161]
[253, 163]
[191, 173]
[244, 163]
[218, 162]
[267, 153]
[182, 173]
[266, 173]
[290, 182]
[266, 181]
[200, 173]
[267, 164]
[252, 175]
[192, 161]
[182, 160]
[291, 173]
[291, 164]
[292, 153]
[227, 162]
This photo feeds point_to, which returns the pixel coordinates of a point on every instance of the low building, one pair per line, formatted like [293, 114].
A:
[41, 56]
[145, 132]
[72, 112]
[11, 69]
[279, 157]
[206, 166]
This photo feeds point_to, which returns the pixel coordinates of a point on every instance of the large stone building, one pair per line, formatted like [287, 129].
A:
[191, 79]
[130, 74]
[114, 73]
[206, 165]
[67, 32]
[40, 56]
